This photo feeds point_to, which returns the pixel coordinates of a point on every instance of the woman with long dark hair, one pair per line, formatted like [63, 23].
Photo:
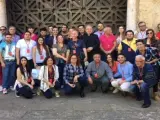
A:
[74, 76]
[59, 52]
[24, 83]
[48, 75]
[40, 52]
[112, 64]
[120, 34]
[151, 41]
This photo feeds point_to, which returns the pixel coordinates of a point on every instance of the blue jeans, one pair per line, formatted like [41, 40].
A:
[103, 82]
[49, 93]
[143, 92]
[60, 68]
[9, 76]
[82, 81]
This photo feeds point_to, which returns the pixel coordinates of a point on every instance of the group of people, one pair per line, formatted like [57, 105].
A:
[73, 58]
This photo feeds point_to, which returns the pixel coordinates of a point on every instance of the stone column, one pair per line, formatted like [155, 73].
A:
[131, 14]
[3, 14]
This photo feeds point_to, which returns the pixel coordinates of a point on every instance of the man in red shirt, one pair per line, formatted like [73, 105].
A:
[158, 33]
[108, 43]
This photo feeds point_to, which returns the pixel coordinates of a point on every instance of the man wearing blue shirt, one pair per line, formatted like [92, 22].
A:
[8, 62]
[124, 75]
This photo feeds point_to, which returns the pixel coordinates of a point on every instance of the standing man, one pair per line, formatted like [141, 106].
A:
[77, 47]
[92, 43]
[108, 43]
[8, 62]
[12, 31]
[3, 31]
[99, 73]
[100, 31]
[43, 33]
[81, 30]
[64, 32]
[142, 33]
[24, 48]
[128, 47]
[143, 78]
[52, 38]
[50, 30]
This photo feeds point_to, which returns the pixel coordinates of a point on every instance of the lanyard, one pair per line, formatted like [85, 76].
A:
[97, 67]
[75, 45]
[9, 47]
[140, 70]
[27, 44]
[142, 34]
[41, 50]
[122, 71]
[129, 43]
[61, 48]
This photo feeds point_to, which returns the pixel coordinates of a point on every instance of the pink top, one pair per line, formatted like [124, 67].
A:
[33, 37]
[107, 42]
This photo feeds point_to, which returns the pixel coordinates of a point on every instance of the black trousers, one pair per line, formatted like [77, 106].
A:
[25, 91]
[31, 64]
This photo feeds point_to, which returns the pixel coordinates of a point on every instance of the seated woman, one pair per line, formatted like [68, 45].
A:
[24, 83]
[40, 52]
[59, 51]
[74, 76]
[48, 75]
[112, 64]
[124, 73]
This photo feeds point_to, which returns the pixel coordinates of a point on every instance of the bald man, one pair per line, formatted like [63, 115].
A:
[143, 78]
[92, 43]
[108, 43]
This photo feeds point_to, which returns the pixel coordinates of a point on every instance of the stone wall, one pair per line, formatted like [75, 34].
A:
[149, 11]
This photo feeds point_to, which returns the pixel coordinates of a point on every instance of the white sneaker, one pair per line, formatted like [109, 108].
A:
[17, 94]
[5, 91]
[1, 88]
[116, 91]
[12, 88]
[57, 94]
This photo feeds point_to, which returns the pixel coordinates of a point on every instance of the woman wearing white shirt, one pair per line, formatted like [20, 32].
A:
[40, 52]
[48, 75]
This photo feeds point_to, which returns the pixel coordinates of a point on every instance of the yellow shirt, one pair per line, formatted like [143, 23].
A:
[131, 44]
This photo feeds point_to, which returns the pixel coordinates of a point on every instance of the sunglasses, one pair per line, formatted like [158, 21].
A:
[150, 33]
[2, 29]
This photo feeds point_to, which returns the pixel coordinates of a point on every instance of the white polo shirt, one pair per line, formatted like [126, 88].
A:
[24, 47]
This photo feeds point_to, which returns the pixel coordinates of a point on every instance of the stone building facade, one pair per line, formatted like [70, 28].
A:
[137, 10]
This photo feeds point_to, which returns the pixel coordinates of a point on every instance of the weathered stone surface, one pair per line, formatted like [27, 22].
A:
[149, 12]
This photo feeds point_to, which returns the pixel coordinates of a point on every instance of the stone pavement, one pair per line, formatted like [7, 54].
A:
[95, 106]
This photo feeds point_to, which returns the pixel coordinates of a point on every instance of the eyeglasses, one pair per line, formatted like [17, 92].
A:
[142, 26]
[2, 29]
